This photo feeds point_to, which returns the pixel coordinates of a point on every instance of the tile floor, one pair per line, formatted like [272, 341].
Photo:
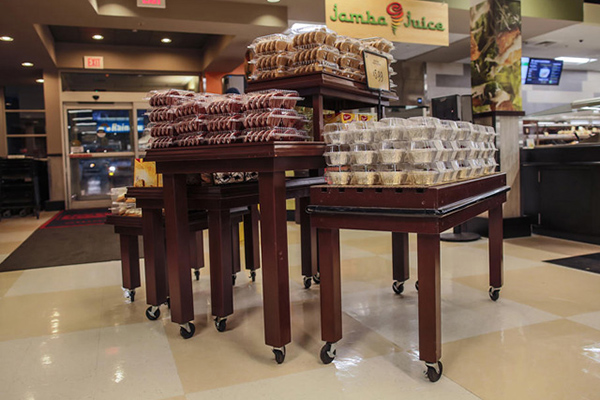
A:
[69, 333]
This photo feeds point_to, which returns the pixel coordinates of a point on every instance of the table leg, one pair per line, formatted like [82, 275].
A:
[130, 262]
[219, 239]
[251, 239]
[273, 227]
[196, 252]
[317, 105]
[331, 289]
[308, 240]
[235, 247]
[154, 257]
[178, 251]
[401, 270]
[495, 247]
[430, 335]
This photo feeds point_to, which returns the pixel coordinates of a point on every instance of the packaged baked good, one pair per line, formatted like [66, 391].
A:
[316, 53]
[378, 43]
[349, 60]
[170, 97]
[271, 44]
[425, 174]
[347, 44]
[274, 134]
[313, 37]
[337, 154]
[190, 139]
[273, 117]
[190, 124]
[422, 128]
[364, 175]
[392, 151]
[161, 142]
[393, 174]
[423, 151]
[273, 98]
[338, 176]
[315, 66]
[393, 129]
[161, 114]
[158, 129]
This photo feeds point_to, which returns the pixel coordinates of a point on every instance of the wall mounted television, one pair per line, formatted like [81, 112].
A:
[543, 71]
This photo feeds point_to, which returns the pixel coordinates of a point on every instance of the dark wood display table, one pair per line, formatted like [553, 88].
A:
[324, 91]
[428, 211]
[130, 227]
[270, 160]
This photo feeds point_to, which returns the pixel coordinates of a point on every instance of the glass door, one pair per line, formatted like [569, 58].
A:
[142, 136]
[101, 143]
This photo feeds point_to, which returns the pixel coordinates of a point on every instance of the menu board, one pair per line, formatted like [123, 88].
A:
[543, 71]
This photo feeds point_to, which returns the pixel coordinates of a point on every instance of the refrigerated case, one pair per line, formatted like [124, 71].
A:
[101, 141]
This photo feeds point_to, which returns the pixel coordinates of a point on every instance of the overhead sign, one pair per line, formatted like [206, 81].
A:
[93, 62]
[407, 21]
[377, 71]
[152, 3]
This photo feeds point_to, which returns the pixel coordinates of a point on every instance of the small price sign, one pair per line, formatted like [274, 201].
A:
[377, 71]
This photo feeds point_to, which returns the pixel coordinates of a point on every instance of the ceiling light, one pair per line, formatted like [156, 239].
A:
[166, 40]
[97, 37]
[39, 80]
[6, 38]
[27, 64]
[273, 1]
[576, 60]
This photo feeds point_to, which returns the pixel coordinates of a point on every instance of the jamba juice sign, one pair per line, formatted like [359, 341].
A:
[409, 21]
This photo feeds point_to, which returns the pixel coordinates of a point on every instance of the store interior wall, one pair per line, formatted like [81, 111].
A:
[54, 144]
[213, 79]
[446, 79]
[410, 79]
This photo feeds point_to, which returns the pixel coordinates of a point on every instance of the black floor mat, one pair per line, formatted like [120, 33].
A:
[587, 262]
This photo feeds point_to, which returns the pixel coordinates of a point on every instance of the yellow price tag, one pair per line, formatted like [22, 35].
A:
[377, 71]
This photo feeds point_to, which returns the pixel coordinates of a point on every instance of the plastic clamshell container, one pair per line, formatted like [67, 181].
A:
[449, 151]
[467, 131]
[451, 169]
[364, 175]
[393, 174]
[392, 151]
[424, 151]
[392, 129]
[489, 165]
[363, 154]
[337, 155]
[338, 137]
[422, 128]
[490, 134]
[447, 129]
[337, 177]
[424, 175]
[468, 147]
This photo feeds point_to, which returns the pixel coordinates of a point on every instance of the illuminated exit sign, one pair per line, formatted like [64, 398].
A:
[93, 62]
[152, 3]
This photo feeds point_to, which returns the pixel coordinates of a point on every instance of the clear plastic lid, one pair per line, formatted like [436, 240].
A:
[161, 114]
[421, 128]
[424, 174]
[158, 129]
[338, 176]
[467, 149]
[393, 129]
[447, 129]
[449, 151]
[347, 44]
[271, 44]
[334, 158]
[466, 130]
[168, 97]
[273, 117]
[220, 123]
[338, 137]
[380, 44]
[273, 98]
[275, 134]
[365, 175]
[314, 37]
[424, 151]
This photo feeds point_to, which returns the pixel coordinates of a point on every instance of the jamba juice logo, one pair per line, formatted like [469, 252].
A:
[396, 12]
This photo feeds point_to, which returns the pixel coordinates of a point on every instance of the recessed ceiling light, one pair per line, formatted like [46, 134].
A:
[576, 60]
[6, 38]
[27, 64]
[39, 80]
[97, 37]
[273, 1]
[166, 40]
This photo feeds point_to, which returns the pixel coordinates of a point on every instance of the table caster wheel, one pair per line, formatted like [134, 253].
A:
[197, 274]
[434, 371]
[253, 276]
[328, 353]
[417, 285]
[307, 282]
[317, 278]
[221, 324]
[131, 295]
[187, 330]
[494, 293]
[152, 313]
[233, 278]
[398, 287]
[279, 354]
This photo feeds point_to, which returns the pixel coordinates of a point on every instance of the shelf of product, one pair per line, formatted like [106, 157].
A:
[317, 49]
[121, 205]
[420, 151]
[182, 118]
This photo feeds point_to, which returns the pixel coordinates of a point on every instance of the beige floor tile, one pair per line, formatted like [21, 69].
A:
[566, 247]
[7, 280]
[388, 377]
[552, 360]
[557, 290]
[176, 398]
[243, 345]
[8, 247]
[68, 277]
[68, 311]
[590, 319]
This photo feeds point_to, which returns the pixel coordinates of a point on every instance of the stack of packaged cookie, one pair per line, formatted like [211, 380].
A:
[314, 49]
[179, 118]
[420, 151]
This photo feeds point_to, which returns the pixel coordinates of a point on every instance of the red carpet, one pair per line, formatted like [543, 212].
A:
[94, 216]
